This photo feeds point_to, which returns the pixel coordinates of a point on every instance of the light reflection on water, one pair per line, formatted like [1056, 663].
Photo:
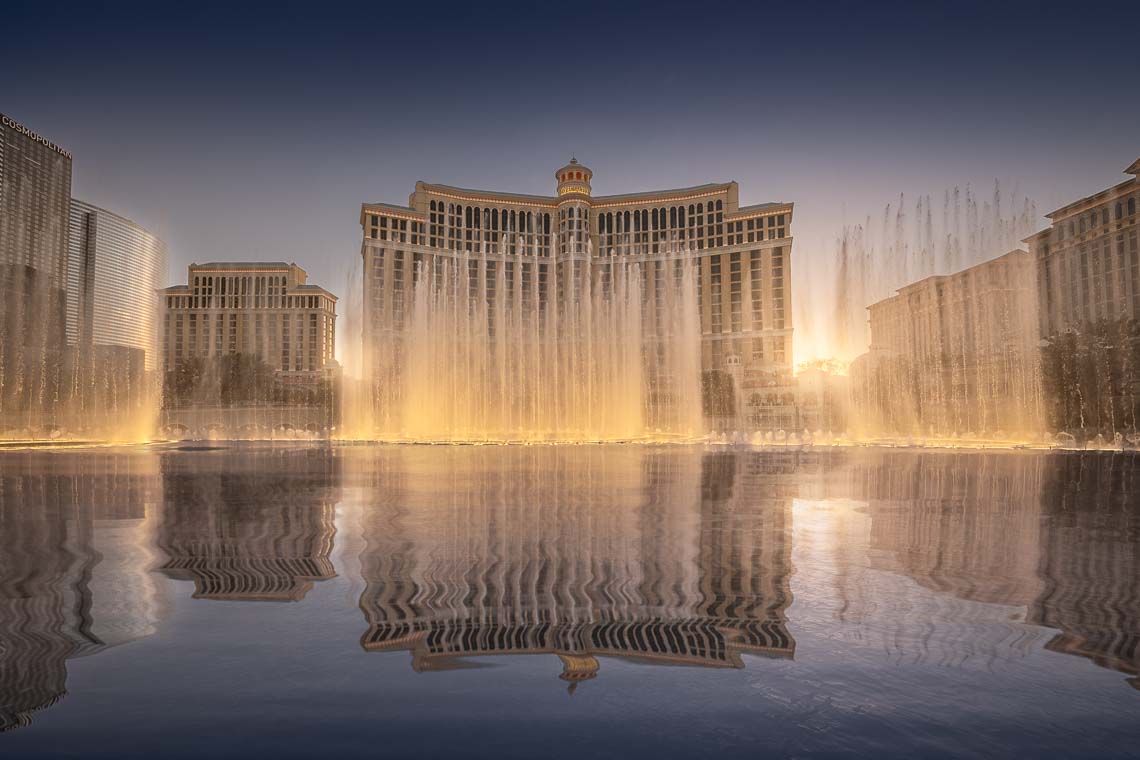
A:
[844, 599]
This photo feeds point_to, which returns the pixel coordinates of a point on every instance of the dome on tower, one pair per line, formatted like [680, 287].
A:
[573, 178]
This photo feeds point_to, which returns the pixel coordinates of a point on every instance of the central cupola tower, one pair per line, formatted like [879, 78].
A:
[573, 180]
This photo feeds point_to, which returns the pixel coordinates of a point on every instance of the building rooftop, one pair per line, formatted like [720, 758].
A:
[243, 265]
[89, 207]
[910, 287]
[550, 201]
[1088, 201]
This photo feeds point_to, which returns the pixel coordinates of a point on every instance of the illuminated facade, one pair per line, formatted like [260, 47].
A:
[539, 247]
[115, 269]
[955, 352]
[35, 193]
[1088, 260]
[267, 310]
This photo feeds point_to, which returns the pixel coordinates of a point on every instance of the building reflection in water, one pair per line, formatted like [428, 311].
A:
[1090, 560]
[653, 554]
[1056, 536]
[668, 555]
[74, 568]
[254, 525]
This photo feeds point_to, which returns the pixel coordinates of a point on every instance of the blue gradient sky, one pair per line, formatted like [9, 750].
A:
[256, 132]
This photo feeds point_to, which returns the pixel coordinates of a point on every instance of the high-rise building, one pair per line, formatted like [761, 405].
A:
[955, 353]
[562, 266]
[35, 197]
[115, 270]
[250, 334]
[1088, 260]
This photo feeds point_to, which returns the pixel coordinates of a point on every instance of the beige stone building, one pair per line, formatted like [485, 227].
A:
[1088, 260]
[538, 246]
[268, 310]
[954, 353]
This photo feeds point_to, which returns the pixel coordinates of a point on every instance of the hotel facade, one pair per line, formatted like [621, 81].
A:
[1088, 260]
[264, 311]
[114, 269]
[537, 246]
[35, 196]
[954, 353]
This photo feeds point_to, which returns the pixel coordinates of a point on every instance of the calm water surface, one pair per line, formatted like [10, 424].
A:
[573, 601]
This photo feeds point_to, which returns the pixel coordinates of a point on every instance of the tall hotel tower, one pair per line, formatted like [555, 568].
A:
[501, 315]
[35, 199]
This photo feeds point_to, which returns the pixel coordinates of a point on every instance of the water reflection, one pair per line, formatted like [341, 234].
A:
[74, 569]
[257, 527]
[577, 552]
[1090, 561]
[972, 562]
[1043, 542]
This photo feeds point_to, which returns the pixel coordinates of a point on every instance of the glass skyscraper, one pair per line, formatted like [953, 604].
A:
[35, 195]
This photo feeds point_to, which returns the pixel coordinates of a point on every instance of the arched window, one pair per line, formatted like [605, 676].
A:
[627, 221]
[645, 220]
[577, 175]
[530, 221]
[1119, 210]
[1131, 206]
[546, 224]
[636, 222]
[494, 220]
[692, 211]
[467, 215]
[681, 216]
[700, 208]
[673, 216]
[654, 218]
[720, 205]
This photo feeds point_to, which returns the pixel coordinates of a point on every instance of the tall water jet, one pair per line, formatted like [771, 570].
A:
[579, 348]
[911, 241]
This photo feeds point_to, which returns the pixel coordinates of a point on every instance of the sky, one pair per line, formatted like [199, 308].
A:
[254, 132]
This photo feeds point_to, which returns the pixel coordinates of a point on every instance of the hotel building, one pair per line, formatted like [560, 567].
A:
[541, 244]
[115, 268]
[263, 312]
[267, 310]
[1088, 260]
[956, 353]
[35, 196]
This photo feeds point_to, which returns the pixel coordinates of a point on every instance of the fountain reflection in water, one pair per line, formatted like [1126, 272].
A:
[529, 348]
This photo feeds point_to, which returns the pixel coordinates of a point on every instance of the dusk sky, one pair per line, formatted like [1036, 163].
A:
[245, 133]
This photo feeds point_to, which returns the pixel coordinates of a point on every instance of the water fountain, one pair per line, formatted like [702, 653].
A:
[528, 348]
[969, 367]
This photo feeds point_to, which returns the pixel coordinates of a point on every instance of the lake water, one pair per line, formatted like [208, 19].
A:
[576, 601]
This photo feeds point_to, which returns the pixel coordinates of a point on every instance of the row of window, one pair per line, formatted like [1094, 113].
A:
[249, 302]
[459, 228]
[1098, 217]
[262, 342]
